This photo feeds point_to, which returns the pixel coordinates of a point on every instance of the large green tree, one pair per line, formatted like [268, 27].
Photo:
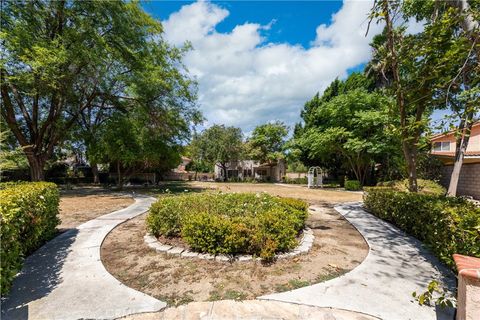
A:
[267, 142]
[219, 145]
[354, 129]
[65, 58]
[428, 67]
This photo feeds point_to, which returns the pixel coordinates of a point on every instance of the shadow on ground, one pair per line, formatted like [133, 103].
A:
[39, 276]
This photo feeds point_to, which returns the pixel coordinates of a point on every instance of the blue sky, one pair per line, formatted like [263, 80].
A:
[294, 21]
[260, 61]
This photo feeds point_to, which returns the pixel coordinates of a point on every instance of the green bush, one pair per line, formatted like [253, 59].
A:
[301, 180]
[231, 223]
[447, 225]
[424, 186]
[28, 218]
[353, 185]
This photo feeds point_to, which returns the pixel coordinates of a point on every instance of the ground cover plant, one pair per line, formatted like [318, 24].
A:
[28, 218]
[447, 225]
[234, 223]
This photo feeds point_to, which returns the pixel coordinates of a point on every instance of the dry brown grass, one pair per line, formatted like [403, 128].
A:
[337, 248]
[83, 204]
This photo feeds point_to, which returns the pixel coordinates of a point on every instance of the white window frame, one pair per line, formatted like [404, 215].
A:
[441, 146]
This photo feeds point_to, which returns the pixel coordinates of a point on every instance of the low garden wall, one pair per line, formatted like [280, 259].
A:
[28, 218]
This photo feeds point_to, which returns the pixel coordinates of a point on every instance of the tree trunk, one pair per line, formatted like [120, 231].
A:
[465, 129]
[224, 168]
[410, 153]
[96, 177]
[119, 176]
[409, 149]
[36, 164]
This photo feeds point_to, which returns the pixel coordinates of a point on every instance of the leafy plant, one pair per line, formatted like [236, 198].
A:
[248, 223]
[435, 295]
[353, 185]
[28, 218]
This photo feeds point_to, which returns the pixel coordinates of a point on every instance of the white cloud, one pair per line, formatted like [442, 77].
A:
[245, 81]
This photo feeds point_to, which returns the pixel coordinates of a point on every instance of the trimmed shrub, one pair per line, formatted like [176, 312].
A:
[424, 186]
[446, 225]
[231, 223]
[301, 180]
[352, 185]
[28, 218]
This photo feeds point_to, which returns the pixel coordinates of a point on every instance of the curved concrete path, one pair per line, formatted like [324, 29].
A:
[65, 279]
[383, 283]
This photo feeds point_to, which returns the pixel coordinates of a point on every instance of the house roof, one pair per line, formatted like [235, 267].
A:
[451, 132]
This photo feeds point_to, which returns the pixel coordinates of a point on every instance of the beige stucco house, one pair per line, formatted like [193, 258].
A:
[251, 169]
[443, 147]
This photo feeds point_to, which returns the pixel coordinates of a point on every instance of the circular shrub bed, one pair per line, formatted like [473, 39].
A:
[231, 223]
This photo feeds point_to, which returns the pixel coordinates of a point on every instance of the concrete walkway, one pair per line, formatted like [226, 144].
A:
[65, 279]
[383, 283]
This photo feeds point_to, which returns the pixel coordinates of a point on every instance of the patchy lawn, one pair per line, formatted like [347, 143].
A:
[82, 204]
[337, 248]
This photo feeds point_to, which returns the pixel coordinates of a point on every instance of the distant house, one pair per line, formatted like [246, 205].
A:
[251, 169]
[183, 165]
[443, 147]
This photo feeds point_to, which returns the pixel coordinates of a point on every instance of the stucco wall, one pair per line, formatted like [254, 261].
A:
[473, 143]
[469, 183]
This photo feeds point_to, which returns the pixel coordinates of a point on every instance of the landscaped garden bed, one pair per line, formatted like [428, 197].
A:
[337, 248]
[217, 223]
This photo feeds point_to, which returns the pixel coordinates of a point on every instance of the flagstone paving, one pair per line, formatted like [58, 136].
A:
[65, 279]
[250, 310]
[382, 284]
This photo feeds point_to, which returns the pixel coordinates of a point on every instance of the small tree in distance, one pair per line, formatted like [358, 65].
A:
[218, 145]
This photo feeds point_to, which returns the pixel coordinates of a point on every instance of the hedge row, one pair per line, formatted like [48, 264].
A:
[232, 223]
[447, 225]
[28, 218]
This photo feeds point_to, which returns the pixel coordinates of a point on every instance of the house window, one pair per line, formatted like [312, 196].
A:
[247, 172]
[232, 173]
[441, 146]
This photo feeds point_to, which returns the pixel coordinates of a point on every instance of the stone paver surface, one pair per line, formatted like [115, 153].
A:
[65, 279]
[250, 310]
[382, 284]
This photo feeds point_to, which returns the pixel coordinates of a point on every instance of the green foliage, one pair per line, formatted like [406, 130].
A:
[303, 180]
[217, 145]
[353, 185]
[244, 223]
[424, 186]
[28, 213]
[435, 295]
[447, 225]
[74, 63]
[267, 142]
[355, 142]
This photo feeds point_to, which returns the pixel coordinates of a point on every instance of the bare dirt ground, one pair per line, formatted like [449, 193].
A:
[337, 248]
[82, 204]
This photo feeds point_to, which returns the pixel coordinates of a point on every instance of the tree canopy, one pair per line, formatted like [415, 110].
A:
[267, 142]
[66, 59]
[218, 145]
